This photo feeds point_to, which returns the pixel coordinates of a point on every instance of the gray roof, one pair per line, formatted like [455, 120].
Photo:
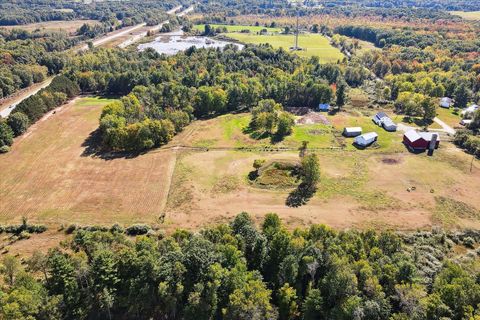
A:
[369, 135]
[353, 129]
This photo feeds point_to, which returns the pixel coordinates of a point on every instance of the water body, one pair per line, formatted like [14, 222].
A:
[173, 42]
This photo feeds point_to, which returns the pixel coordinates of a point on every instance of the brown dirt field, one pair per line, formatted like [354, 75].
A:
[47, 178]
[204, 206]
[67, 26]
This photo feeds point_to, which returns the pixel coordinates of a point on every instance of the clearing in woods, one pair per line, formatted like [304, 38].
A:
[472, 15]
[312, 44]
[51, 177]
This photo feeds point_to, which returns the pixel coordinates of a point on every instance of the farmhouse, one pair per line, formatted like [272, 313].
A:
[446, 102]
[419, 141]
[352, 131]
[366, 139]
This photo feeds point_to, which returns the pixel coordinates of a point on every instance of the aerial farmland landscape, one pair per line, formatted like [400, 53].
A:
[240, 160]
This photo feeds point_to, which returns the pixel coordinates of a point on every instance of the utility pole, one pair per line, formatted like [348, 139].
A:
[296, 33]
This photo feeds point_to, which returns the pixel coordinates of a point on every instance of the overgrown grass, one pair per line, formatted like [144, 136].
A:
[226, 184]
[278, 175]
[313, 44]
[180, 191]
[448, 211]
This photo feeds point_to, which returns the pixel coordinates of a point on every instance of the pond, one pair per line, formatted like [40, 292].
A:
[173, 42]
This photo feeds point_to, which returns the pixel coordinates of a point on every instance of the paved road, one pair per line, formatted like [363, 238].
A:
[117, 34]
[154, 29]
[24, 95]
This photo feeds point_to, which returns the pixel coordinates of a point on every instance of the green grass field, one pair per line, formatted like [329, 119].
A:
[313, 44]
[473, 15]
[447, 116]
[237, 28]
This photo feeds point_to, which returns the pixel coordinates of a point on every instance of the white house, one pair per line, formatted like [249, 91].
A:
[470, 110]
[352, 131]
[446, 102]
[366, 139]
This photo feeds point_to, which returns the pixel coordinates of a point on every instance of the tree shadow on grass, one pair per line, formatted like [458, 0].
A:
[300, 196]
[94, 148]
[419, 122]
[259, 135]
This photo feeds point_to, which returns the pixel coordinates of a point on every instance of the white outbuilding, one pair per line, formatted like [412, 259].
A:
[446, 102]
[366, 139]
[389, 125]
[470, 110]
[352, 131]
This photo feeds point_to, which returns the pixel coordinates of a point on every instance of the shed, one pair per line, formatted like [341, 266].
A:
[468, 111]
[323, 107]
[389, 125]
[366, 139]
[352, 131]
[419, 141]
[378, 118]
[446, 102]
[465, 122]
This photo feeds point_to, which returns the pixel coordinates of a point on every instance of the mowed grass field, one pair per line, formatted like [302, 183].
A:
[313, 44]
[67, 26]
[230, 131]
[50, 177]
[472, 15]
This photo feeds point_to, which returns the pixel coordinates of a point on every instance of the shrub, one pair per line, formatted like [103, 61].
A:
[137, 229]
[469, 242]
[71, 228]
[18, 122]
[116, 228]
[4, 149]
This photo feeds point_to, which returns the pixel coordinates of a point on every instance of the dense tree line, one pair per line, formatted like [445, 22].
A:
[29, 57]
[197, 84]
[238, 271]
[130, 12]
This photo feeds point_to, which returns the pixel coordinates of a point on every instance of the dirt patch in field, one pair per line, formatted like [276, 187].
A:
[391, 160]
[313, 118]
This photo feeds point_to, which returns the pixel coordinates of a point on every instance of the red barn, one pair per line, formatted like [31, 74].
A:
[418, 141]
